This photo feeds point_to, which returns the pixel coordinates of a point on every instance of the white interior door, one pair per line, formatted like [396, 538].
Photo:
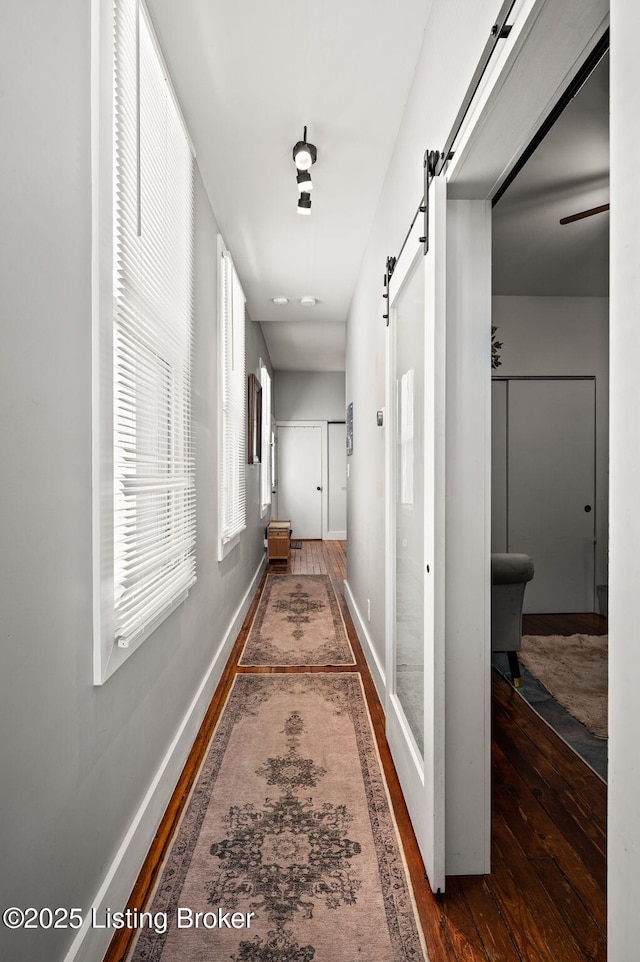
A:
[300, 478]
[551, 489]
[415, 532]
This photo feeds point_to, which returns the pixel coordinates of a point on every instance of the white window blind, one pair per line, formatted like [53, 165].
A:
[265, 465]
[233, 455]
[153, 463]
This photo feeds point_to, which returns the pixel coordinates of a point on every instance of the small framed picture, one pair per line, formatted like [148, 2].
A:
[254, 421]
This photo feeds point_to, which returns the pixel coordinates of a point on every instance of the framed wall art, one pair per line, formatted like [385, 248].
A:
[254, 420]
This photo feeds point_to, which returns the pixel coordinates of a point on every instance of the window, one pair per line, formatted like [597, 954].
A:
[232, 451]
[266, 454]
[145, 561]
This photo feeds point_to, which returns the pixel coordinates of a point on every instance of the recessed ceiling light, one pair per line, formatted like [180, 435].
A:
[308, 301]
[280, 300]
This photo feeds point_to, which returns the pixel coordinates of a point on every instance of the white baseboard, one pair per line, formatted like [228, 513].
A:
[90, 944]
[375, 665]
[335, 536]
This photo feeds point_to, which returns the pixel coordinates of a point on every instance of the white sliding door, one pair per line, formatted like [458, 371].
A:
[415, 531]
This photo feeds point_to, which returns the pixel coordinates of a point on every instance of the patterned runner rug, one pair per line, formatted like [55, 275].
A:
[298, 622]
[288, 848]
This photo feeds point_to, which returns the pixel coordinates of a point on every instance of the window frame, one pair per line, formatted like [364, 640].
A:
[235, 470]
[108, 655]
[266, 383]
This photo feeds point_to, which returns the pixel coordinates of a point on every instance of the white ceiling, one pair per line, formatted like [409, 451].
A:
[569, 172]
[249, 75]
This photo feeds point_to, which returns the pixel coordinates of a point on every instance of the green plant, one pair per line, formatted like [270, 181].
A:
[496, 347]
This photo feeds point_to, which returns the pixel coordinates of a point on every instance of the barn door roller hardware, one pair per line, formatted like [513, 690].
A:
[391, 263]
[435, 160]
[431, 159]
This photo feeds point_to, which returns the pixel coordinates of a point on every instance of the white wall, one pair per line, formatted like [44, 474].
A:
[309, 396]
[624, 556]
[77, 761]
[564, 336]
[451, 49]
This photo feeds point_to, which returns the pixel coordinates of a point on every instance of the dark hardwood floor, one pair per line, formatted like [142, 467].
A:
[574, 624]
[544, 900]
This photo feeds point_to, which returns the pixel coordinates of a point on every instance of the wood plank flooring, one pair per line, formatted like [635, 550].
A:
[544, 900]
[575, 624]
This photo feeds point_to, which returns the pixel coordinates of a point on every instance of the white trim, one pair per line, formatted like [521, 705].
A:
[521, 18]
[376, 666]
[468, 539]
[123, 871]
[224, 547]
[101, 299]
[336, 536]
[516, 96]
[266, 452]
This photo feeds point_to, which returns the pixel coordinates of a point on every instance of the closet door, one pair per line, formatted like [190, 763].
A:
[415, 532]
[551, 489]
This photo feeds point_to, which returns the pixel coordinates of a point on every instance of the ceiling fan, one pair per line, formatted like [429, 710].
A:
[584, 213]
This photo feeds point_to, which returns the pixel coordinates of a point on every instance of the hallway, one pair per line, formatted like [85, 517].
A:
[545, 899]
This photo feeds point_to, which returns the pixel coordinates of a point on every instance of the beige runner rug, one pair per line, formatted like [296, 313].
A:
[574, 669]
[288, 848]
[298, 622]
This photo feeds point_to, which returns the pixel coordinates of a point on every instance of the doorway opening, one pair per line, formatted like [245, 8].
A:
[311, 479]
[550, 390]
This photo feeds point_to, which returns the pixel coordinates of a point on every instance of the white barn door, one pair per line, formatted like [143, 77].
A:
[415, 531]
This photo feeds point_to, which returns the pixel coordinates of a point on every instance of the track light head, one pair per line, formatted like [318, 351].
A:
[304, 181]
[304, 154]
[304, 203]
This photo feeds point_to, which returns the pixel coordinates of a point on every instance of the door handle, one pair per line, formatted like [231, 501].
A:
[319, 488]
[587, 508]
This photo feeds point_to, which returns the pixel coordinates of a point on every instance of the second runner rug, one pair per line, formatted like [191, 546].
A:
[298, 622]
[288, 850]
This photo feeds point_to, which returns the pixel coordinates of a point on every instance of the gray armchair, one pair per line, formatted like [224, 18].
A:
[509, 576]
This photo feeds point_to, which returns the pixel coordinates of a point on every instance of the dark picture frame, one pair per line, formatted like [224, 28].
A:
[254, 420]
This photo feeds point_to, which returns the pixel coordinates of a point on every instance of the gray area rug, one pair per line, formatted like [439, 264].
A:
[574, 669]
